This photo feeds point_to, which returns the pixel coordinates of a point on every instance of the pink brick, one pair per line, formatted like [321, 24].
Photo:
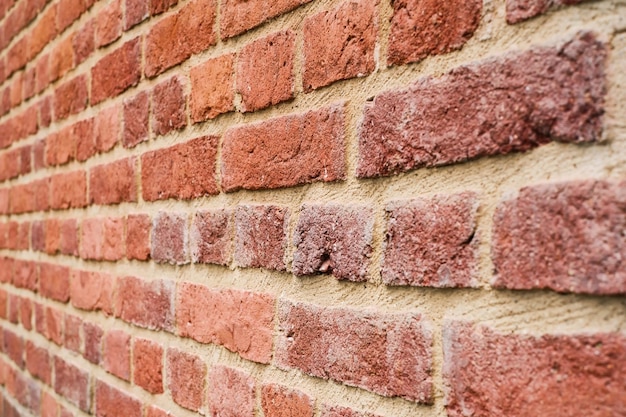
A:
[186, 379]
[170, 238]
[73, 326]
[116, 354]
[102, 239]
[211, 237]
[231, 392]
[92, 291]
[280, 401]
[261, 236]
[148, 304]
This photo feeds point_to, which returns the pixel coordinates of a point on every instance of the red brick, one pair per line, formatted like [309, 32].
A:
[26, 313]
[138, 236]
[45, 111]
[93, 342]
[212, 88]
[92, 291]
[148, 365]
[413, 128]
[38, 362]
[231, 392]
[183, 171]
[431, 242]
[174, 39]
[305, 148]
[107, 128]
[4, 201]
[261, 236]
[109, 23]
[29, 83]
[14, 308]
[169, 238]
[17, 85]
[83, 131]
[42, 79]
[83, 41]
[69, 237]
[565, 236]
[335, 411]
[102, 239]
[113, 183]
[148, 304]
[25, 275]
[168, 106]
[365, 349]
[40, 319]
[71, 97]
[242, 322]
[43, 31]
[6, 269]
[340, 43]
[334, 239]
[136, 12]
[60, 147]
[53, 236]
[49, 405]
[153, 411]
[72, 383]
[494, 373]
[111, 402]
[69, 11]
[211, 237]
[279, 401]
[3, 304]
[265, 71]
[25, 157]
[423, 28]
[73, 326]
[520, 10]
[54, 325]
[54, 282]
[26, 390]
[61, 59]
[160, 6]
[117, 354]
[239, 16]
[17, 56]
[29, 197]
[135, 119]
[116, 72]
[68, 190]
[186, 375]
[14, 347]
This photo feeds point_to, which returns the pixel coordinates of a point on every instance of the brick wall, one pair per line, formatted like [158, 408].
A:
[328, 208]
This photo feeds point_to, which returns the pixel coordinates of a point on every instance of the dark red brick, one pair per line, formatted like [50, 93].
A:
[116, 72]
[138, 236]
[68, 190]
[111, 402]
[169, 238]
[239, 16]
[71, 97]
[148, 304]
[116, 353]
[280, 401]
[72, 383]
[113, 183]
[148, 365]
[231, 392]
[186, 379]
[212, 88]
[168, 106]
[135, 119]
[211, 237]
[520, 10]
[261, 236]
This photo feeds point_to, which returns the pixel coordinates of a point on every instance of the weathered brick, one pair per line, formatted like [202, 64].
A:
[168, 106]
[160, 6]
[102, 239]
[231, 392]
[239, 16]
[38, 362]
[183, 171]
[92, 291]
[49, 405]
[520, 10]
[113, 183]
[336, 411]
[62, 59]
[261, 236]
[178, 36]
[60, 147]
[280, 401]
[340, 43]
[107, 128]
[148, 304]
[212, 88]
[54, 282]
[14, 347]
[169, 238]
[26, 275]
[286, 151]
[147, 365]
[211, 237]
[69, 11]
[71, 97]
[93, 342]
[108, 23]
[116, 72]
[83, 131]
[43, 32]
[334, 239]
[136, 12]
[69, 237]
[484, 370]
[365, 349]
[566, 237]
[421, 28]
[26, 313]
[54, 325]
[83, 42]
[111, 402]
[116, 354]
[495, 107]
[431, 242]
[72, 383]
[186, 375]
[138, 236]
[135, 119]
[73, 326]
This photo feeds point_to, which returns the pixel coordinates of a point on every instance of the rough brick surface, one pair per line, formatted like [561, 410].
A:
[92, 291]
[426, 27]
[241, 321]
[279, 401]
[113, 183]
[261, 236]
[138, 236]
[109, 24]
[54, 282]
[116, 72]
[136, 12]
[333, 239]
[211, 237]
[212, 88]
[160, 6]
[148, 304]
[186, 375]
[520, 10]
[265, 72]
[117, 354]
[102, 239]
[168, 106]
[239, 16]
[93, 342]
[169, 238]
[72, 383]
[135, 120]
[336, 411]
[286, 151]
[431, 242]
[340, 43]
[111, 402]
[489, 373]
[38, 362]
[231, 392]
[148, 365]
[68, 190]
[389, 354]
[71, 97]
[565, 236]
[183, 171]
[499, 106]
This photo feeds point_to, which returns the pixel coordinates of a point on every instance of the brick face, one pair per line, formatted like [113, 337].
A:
[168, 104]
[240, 16]
[116, 72]
[146, 304]
[186, 379]
[212, 88]
[232, 392]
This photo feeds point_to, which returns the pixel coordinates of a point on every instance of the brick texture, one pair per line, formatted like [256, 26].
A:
[211, 237]
[169, 238]
[168, 104]
[279, 401]
[146, 304]
[240, 16]
[113, 402]
[148, 365]
[231, 392]
[186, 379]
[116, 72]
[212, 88]
[520, 10]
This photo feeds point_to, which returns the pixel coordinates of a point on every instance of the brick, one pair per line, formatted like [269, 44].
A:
[17, 86]
[26, 391]
[43, 32]
[62, 59]
[423, 28]
[54, 325]
[83, 131]
[6, 269]
[336, 411]
[305, 148]
[111, 402]
[49, 406]
[365, 349]
[265, 74]
[54, 282]
[186, 375]
[30, 197]
[334, 239]
[93, 342]
[69, 237]
[26, 275]
[212, 88]
[243, 322]
[29, 83]
[563, 236]
[68, 190]
[17, 56]
[169, 238]
[107, 128]
[135, 119]
[84, 42]
[69, 11]
[92, 291]
[484, 370]
[261, 236]
[42, 79]
[102, 239]
[38, 362]
[60, 147]
[339, 44]
[72, 383]
[136, 12]
[431, 242]
[116, 72]
[52, 236]
[116, 354]
[73, 326]
[520, 10]
[40, 319]
[175, 38]
[153, 411]
[4, 201]
[148, 365]
[238, 17]
[160, 6]
[14, 308]
[3, 304]
[148, 304]
[211, 237]
[14, 347]
[183, 171]
[45, 111]
[71, 97]
[138, 236]
[168, 106]
[26, 313]
[500, 106]
[113, 183]
[108, 24]
[280, 401]
[231, 392]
